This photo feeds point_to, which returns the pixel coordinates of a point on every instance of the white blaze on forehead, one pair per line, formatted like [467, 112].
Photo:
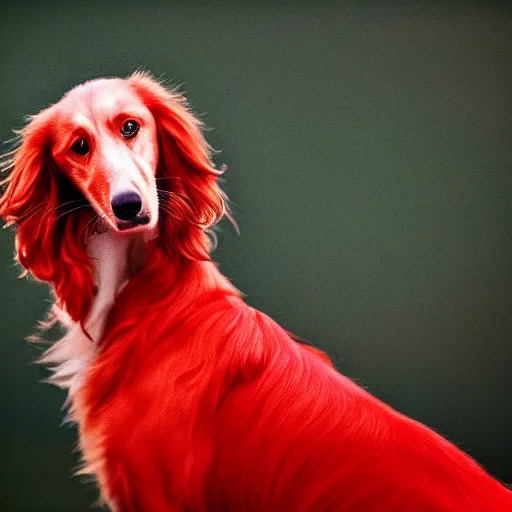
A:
[109, 102]
[100, 97]
[106, 102]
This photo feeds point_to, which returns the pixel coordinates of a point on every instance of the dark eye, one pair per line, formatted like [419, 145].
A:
[129, 129]
[80, 147]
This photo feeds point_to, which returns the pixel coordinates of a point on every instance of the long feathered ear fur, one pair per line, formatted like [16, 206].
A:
[50, 241]
[190, 198]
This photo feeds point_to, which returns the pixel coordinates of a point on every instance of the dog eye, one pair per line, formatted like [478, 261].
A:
[80, 147]
[129, 129]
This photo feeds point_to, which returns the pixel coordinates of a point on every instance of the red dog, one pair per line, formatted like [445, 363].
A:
[186, 398]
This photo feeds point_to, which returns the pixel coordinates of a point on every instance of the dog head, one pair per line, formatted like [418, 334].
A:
[119, 154]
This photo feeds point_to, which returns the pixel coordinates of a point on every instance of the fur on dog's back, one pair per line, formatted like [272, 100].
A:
[207, 404]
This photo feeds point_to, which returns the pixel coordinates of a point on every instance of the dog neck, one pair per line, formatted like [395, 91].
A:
[136, 263]
[116, 257]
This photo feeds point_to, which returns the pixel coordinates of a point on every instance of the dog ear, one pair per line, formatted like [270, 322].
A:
[190, 197]
[30, 195]
[29, 185]
[50, 243]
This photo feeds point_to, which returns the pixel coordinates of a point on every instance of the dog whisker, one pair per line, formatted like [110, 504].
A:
[163, 194]
[47, 211]
[166, 210]
[91, 225]
[31, 212]
[73, 201]
[72, 210]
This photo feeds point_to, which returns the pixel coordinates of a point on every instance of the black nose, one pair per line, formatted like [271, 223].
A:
[126, 205]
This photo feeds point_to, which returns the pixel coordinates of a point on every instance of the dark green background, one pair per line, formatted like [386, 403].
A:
[369, 155]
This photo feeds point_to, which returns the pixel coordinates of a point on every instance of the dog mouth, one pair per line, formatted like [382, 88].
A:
[135, 225]
[126, 225]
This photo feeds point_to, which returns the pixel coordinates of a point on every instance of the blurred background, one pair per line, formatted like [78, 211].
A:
[369, 155]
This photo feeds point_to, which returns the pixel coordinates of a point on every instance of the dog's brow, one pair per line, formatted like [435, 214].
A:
[81, 120]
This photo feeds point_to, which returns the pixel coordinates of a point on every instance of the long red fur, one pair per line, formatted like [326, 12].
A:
[198, 402]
